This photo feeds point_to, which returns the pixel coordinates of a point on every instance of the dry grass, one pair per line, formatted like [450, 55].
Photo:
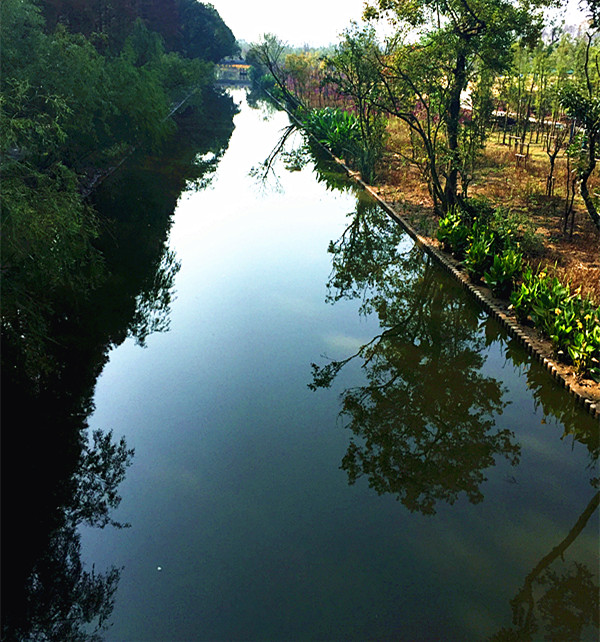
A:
[519, 189]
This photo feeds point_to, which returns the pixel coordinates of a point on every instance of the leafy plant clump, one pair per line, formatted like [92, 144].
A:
[486, 242]
[474, 233]
[479, 257]
[570, 321]
[339, 130]
[503, 272]
[454, 233]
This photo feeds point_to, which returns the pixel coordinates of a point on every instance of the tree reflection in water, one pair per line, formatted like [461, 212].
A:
[559, 599]
[55, 476]
[424, 423]
[60, 599]
[562, 601]
[576, 425]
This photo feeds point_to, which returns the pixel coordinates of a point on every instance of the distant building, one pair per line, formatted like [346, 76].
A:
[233, 70]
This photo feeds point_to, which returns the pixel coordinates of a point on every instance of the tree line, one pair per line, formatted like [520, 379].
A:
[83, 82]
[448, 72]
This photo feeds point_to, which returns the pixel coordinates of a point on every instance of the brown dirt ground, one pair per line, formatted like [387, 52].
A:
[576, 257]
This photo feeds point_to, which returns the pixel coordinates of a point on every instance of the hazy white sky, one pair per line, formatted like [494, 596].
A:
[316, 22]
[313, 22]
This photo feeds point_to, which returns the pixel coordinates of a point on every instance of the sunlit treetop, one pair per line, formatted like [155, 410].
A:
[484, 28]
[466, 18]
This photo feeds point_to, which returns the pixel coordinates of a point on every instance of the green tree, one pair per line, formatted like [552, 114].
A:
[267, 58]
[68, 111]
[582, 102]
[54, 475]
[305, 75]
[439, 48]
[353, 70]
[203, 33]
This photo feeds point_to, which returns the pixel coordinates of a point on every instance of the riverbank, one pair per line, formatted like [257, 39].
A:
[417, 217]
[522, 191]
[408, 202]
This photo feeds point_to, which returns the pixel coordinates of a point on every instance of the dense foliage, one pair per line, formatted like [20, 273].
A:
[188, 27]
[82, 84]
[450, 72]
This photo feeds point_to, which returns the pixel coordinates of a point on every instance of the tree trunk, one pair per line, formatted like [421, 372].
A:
[585, 174]
[452, 124]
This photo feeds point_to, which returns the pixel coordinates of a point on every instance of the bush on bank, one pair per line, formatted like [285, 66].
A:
[491, 251]
[341, 132]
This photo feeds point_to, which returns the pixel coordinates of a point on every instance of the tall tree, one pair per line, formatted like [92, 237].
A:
[203, 32]
[582, 102]
[267, 58]
[449, 42]
[352, 70]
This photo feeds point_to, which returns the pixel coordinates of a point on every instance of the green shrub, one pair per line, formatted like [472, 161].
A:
[570, 322]
[477, 208]
[479, 256]
[584, 346]
[503, 272]
[454, 234]
[445, 226]
[339, 130]
[562, 325]
[551, 295]
[523, 297]
[516, 230]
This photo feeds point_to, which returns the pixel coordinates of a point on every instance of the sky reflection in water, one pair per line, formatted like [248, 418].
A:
[463, 480]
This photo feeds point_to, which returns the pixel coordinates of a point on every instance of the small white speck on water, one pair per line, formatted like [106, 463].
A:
[159, 568]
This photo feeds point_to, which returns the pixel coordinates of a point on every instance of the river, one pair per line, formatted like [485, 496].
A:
[332, 440]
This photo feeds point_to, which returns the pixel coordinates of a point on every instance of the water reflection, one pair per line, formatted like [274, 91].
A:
[557, 597]
[583, 429]
[55, 476]
[423, 424]
[296, 156]
[58, 598]
[265, 173]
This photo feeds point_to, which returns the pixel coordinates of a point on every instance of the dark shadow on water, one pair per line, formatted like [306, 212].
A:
[55, 475]
[423, 423]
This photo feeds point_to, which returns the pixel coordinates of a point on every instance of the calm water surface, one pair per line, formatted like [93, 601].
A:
[431, 484]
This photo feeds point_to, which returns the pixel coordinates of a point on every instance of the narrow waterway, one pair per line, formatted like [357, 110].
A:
[336, 445]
